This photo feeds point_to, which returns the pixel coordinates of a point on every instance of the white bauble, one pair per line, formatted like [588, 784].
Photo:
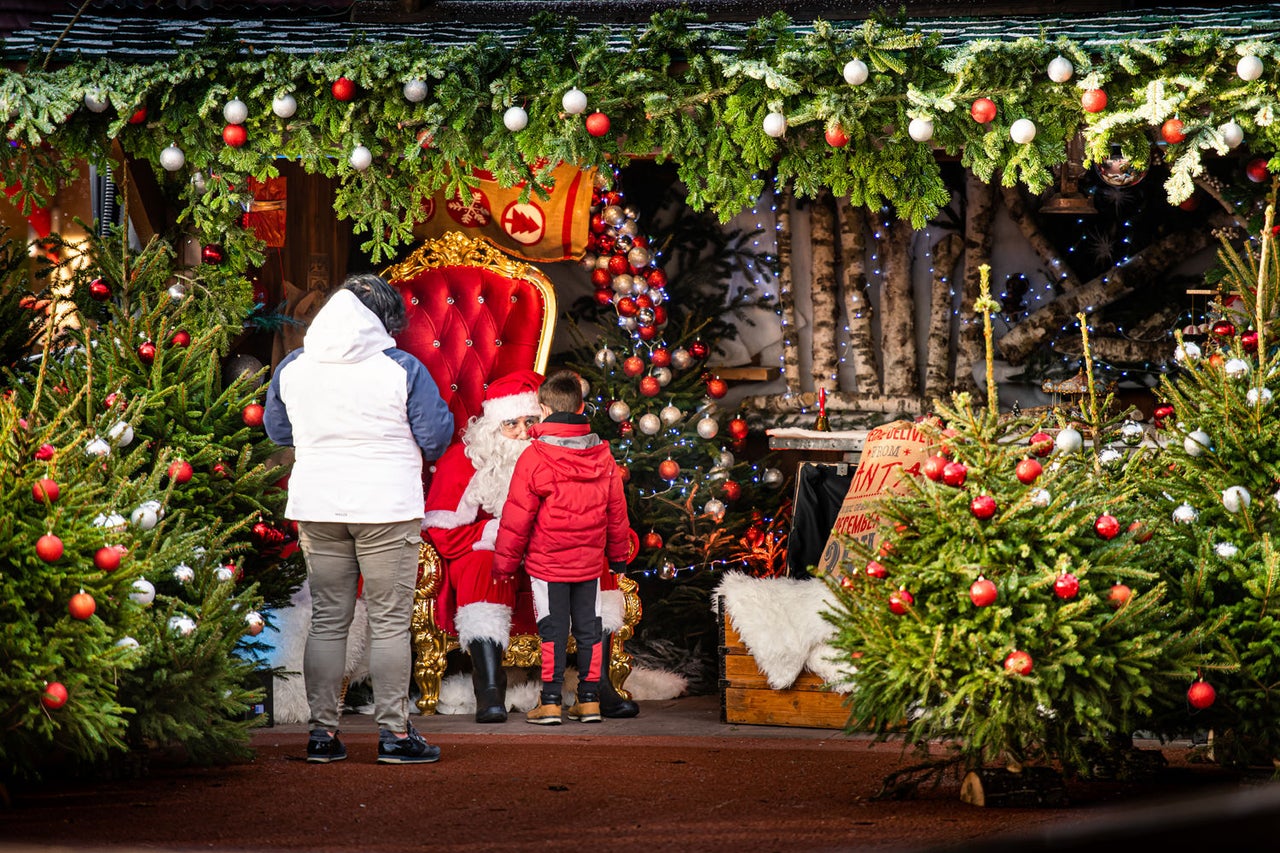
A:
[639, 257]
[1236, 368]
[225, 573]
[121, 433]
[515, 118]
[771, 477]
[1187, 351]
[284, 106]
[1069, 440]
[574, 101]
[415, 91]
[662, 374]
[619, 411]
[97, 447]
[605, 358]
[95, 101]
[177, 292]
[623, 283]
[183, 573]
[198, 552]
[1232, 134]
[725, 459]
[1131, 433]
[113, 521]
[1236, 498]
[1110, 456]
[235, 111]
[1226, 550]
[1185, 514]
[856, 72]
[670, 415]
[1196, 442]
[183, 625]
[144, 518]
[1259, 396]
[1060, 69]
[1022, 131]
[1041, 498]
[920, 129]
[143, 591]
[681, 359]
[649, 423]
[707, 427]
[775, 124]
[172, 159]
[714, 508]
[127, 643]
[198, 183]
[1249, 68]
[254, 619]
[360, 158]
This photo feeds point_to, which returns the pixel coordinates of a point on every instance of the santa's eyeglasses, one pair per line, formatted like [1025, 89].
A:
[520, 423]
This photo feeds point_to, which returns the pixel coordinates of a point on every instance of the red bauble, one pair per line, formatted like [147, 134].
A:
[1018, 663]
[847, 582]
[220, 469]
[836, 137]
[180, 471]
[668, 469]
[954, 474]
[1028, 471]
[597, 124]
[343, 89]
[235, 135]
[655, 278]
[699, 350]
[1172, 132]
[626, 307]
[646, 333]
[983, 592]
[661, 357]
[1224, 329]
[147, 352]
[1257, 170]
[181, 338]
[1119, 595]
[1106, 526]
[99, 290]
[625, 473]
[49, 548]
[731, 490]
[983, 110]
[1201, 695]
[932, 467]
[81, 606]
[1094, 100]
[650, 387]
[212, 254]
[113, 399]
[633, 365]
[601, 277]
[45, 490]
[900, 601]
[252, 415]
[139, 116]
[876, 570]
[107, 558]
[1041, 444]
[1249, 341]
[652, 541]
[626, 429]
[54, 695]
[738, 429]
[1141, 533]
[618, 264]
[1165, 411]
[983, 507]
[717, 387]
[45, 452]
[1066, 586]
[1190, 203]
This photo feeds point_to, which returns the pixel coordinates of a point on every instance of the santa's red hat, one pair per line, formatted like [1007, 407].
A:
[514, 395]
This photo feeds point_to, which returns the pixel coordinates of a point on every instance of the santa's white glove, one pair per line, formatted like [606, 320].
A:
[488, 537]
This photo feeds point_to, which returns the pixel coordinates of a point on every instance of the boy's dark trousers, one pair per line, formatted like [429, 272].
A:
[571, 606]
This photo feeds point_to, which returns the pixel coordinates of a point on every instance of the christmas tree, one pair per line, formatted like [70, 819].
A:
[1221, 510]
[1006, 609]
[130, 575]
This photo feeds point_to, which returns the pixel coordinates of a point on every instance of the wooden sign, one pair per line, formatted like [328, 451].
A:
[888, 452]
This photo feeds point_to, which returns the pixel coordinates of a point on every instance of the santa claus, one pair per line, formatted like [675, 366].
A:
[468, 488]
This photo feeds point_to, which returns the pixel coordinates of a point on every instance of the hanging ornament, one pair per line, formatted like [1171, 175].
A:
[771, 477]
[95, 101]
[1236, 368]
[652, 540]
[667, 571]
[1172, 131]
[1185, 514]
[1257, 170]
[708, 427]
[1069, 440]
[182, 625]
[650, 387]
[1041, 444]
[717, 387]
[1187, 351]
[954, 474]
[1041, 498]
[649, 423]
[127, 642]
[1131, 433]
[235, 111]
[983, 110]
[1258, 397]
[1066, 586]
[361, 158]
[99, 290]
[144, 518]
[1027, 471]
[212, 254]
[1109, 457]
[1106, 526]
[45, 452]
[714, 508]
[515, 119]
[983, 593]
[681, 359]
[254, 623]
[183, 574]
[180, 471]
[181, 338]
[252, 415]
[619, 411]
[1197, 442]
[920, 129]
[605, 358]
[1093, 100]
[81, 606]
[731, 490]
[107, 558]
[415, 91]
[343, 89]
[45, 490]
[1022, 131]
[225, 573]
[97, 447]
[1201, 695]
[139, 116]
[235, 135]
[54, 695]
[1161, 413]
[983, 507]
[177, 291]
[574, 101]
[876, 570]
[775, 125]
[147, 352]
[284, 106]
[1249, 68]
[670, 415]
[836, 137]
[1232, 134]
[933, 465]
[121, 434]
[900, 601]
[172, 158]
[49, 548]
[1060, 69]
[1236, 498]
[144, 592]
[738, 429]
[855, 72]
[1018, 663]
[597, 124]
[668, 469]
[1226, 550]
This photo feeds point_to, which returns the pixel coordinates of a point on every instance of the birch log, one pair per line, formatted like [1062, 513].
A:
[1117, 282]
[823, 293]
[857, 306]
[979, 210]
[911, 405]
[1064, 277]
[937, 373]
[898, 313]
[786, 294]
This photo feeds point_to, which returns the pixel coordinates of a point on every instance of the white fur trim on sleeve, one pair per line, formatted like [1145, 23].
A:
[488, 536]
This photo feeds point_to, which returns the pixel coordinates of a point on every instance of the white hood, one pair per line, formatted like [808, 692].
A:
[345, 331]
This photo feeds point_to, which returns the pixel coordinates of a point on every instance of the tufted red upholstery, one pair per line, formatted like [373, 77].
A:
[469, 325]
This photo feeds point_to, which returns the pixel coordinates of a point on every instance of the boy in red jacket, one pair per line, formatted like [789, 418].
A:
[565, 517]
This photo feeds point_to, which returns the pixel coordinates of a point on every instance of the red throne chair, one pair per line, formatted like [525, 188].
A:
[475, 314]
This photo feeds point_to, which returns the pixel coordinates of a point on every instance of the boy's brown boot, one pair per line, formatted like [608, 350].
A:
[586, 709]
[546, 714]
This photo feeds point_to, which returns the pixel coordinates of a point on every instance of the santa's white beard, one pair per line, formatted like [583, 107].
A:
[494, 457]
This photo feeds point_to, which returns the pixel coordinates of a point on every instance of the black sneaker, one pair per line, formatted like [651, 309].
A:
[323, 748]
[410, 749]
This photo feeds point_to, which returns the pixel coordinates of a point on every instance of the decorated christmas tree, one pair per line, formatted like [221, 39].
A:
[1005, 608]
[1220, 507]
[132, 577]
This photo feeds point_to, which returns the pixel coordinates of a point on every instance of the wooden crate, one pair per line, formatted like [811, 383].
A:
[745, 695]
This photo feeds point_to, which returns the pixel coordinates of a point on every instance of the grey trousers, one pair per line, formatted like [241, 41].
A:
[338, 555]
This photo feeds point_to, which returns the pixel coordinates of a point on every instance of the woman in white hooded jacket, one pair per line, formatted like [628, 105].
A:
[361, 416]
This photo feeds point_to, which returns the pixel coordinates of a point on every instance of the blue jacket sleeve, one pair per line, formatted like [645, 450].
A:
[429, 415]
[275, 416]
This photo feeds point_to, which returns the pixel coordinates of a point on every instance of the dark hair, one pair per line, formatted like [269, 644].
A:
[561, 392]
[380, 298]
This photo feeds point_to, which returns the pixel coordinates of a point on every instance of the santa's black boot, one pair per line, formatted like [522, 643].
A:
[489, 680]
[611, 702]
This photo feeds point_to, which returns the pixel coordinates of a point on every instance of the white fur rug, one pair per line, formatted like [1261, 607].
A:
[781, 624]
